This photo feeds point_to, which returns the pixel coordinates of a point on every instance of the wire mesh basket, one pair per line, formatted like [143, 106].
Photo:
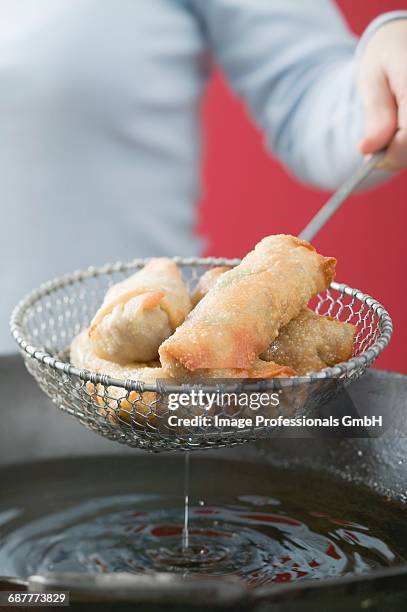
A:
[137, 414]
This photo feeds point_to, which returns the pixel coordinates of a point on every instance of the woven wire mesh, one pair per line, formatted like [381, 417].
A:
[136, 414]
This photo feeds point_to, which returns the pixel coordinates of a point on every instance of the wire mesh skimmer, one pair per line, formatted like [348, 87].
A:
[128, 411]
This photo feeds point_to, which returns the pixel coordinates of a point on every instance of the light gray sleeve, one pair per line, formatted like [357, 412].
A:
[294, 62]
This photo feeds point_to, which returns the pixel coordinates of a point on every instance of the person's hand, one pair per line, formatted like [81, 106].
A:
[383, 85]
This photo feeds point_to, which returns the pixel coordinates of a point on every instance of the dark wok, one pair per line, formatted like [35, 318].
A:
[33, 429]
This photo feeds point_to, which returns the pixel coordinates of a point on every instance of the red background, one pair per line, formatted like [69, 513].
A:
[247, 195]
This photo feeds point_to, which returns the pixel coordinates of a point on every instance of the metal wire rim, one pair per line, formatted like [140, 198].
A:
[343, 369]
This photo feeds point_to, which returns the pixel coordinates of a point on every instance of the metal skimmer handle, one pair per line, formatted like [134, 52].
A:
[328, 209]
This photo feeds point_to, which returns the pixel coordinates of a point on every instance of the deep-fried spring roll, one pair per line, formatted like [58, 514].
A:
[139, 313]
[117, 400]
[311, 342]
[206, 282]
[243, 312]
[308, 343]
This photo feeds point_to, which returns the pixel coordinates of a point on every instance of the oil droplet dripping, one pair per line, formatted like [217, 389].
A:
[185, 531]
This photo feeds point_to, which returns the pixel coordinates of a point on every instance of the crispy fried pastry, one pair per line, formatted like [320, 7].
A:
[246, 308]
[312, 342]
[139, 313]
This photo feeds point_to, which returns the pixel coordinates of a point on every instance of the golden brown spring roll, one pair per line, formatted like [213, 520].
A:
[206, 282]
[117, 400]
[308, 343]
[139, 313]
[243, 312]
[311, 342]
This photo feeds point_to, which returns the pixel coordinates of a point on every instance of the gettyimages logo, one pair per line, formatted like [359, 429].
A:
[275, 408]
[207, 400]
